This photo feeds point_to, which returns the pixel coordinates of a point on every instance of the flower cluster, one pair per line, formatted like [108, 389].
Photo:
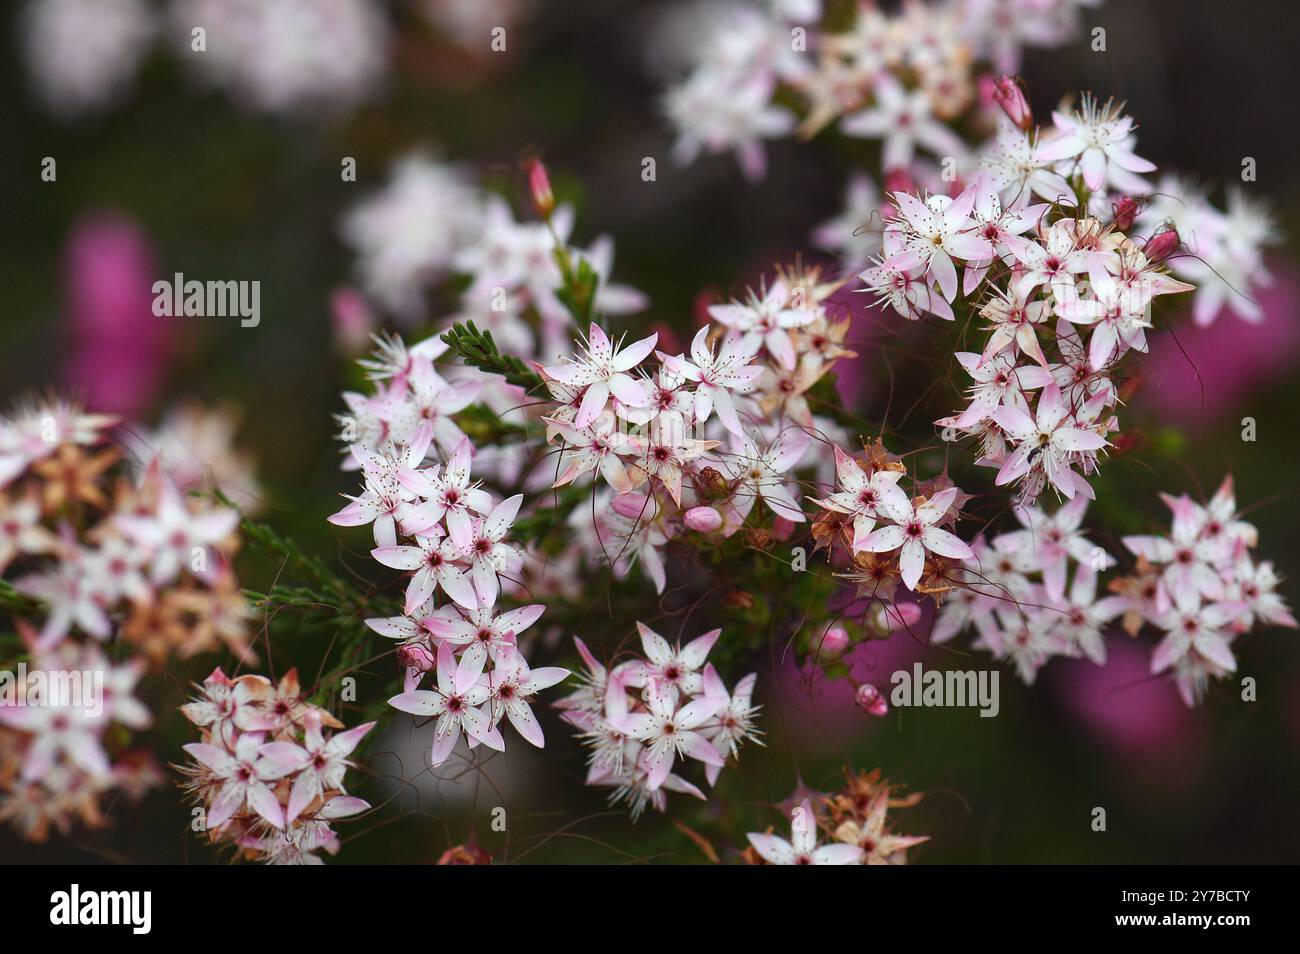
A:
[450, 534]
[101, 555]
[254, 50]
[1094, 200]
[88, 555]
[867, 494]
[1042, 415]
[903, 79]
[1225, 248]
[1018, 592]
[644, 719]
[268, 779]
[75, 77]
[431, 221]
[1199, 587]
[63, 720]
[857, 820]
[689, 443]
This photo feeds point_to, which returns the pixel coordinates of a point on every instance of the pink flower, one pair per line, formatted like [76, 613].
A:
[766, 321]
[1101, 138]
[245, 774]
[802, 847]
[760, 474]
[487, 554]
[512, 685]
[449, 497]
[932, 232]
[673, 668]
[1045, 443]
[858, 495]
[603, 370]
[480, 632]
[667, 731]
[915, 532]
[456, 703]
[717, 375]
[326, 764]
[904, 119]
[436, 564]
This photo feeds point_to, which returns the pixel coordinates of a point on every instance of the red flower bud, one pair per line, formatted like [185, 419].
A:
[1008, 94]
[1126, 210]
[1162, 244]
[539, 184]
[870, 701]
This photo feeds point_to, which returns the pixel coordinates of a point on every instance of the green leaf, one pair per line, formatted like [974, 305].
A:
[477, 349]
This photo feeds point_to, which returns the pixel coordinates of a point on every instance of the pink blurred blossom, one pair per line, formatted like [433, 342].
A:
[832, 704]
[352, 320]
[119, 348]
[1194, 375]
[1121, 703]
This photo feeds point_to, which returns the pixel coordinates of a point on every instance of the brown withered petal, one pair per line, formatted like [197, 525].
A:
[470, 854]
[72, 476]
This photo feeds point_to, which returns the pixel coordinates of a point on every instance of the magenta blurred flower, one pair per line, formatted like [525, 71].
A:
[833, 705]
[1122, 704]
[119, 347]
[1194, 373]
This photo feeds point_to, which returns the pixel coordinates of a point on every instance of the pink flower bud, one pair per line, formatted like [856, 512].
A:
[1008, 94]
[894, 616]
[782, 528]
[870, 701]
[1161, 245]
[703, 519]
[633, 506]
[1126, 210]
[833, 643]
[416, 656]
[539, 184]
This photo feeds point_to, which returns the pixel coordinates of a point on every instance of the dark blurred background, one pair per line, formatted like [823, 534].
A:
[219, 192]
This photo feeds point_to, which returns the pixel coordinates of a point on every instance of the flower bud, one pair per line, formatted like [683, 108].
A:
[1008, 94]
[887, 617]
[539, 184]
[703, 519]
[833, 643]
[1161, 245]
[1126, 210]
[870, 701]
[416, 656]
[634, 506]
[710, 481]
